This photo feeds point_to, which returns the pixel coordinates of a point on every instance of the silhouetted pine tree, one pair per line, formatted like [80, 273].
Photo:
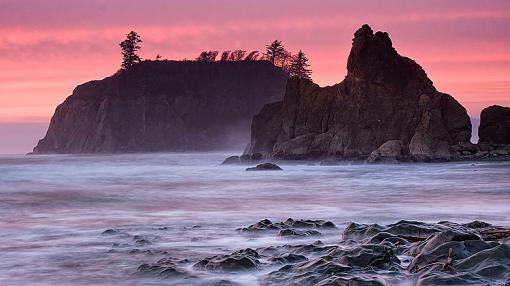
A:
[275, 52]
[129, 49]
[300, 67]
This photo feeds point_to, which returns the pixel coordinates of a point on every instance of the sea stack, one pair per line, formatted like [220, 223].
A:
[165, 106]
[494, 125]
[385, 97]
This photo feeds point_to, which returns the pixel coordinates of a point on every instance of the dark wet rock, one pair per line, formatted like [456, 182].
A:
[354, 118]
[477, 224]
[165, 106]
[409, 230]
[266, 224]
[242, 260]
[142, 242]
[494, 125]
[231, 160]
[351, 281]
[453, 249]
[165, 268]
[298, 233]
[288, 258]
[305, 273]
[110, 232]
[221, 282]
[369, 255]
[482, 268]
[466, 148]
[302, 223]
[265, 167]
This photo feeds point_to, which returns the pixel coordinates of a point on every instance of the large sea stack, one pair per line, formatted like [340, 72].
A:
[386, 100]
[165, 106]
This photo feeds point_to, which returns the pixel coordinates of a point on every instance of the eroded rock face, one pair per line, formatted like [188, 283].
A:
[384, 98]
[165, 106]
[495, 125]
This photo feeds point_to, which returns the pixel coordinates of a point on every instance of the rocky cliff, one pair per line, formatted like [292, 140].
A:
[386, 100]
[165, 106]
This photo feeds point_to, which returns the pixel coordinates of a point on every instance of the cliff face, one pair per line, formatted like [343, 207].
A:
[495, 125]
[164, 106]
[384, 97]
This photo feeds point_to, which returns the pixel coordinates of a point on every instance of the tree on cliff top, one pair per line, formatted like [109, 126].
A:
[275, 51]
[207, 56]
[129, 50]
[299, 66]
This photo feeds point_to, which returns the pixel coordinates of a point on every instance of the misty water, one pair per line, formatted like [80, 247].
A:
[54, 209]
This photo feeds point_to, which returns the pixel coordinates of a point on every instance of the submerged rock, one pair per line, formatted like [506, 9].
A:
[242, 260]
[231, 160]
[165, 268]
[265, 167]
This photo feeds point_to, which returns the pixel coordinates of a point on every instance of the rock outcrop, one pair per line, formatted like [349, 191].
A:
[494, 125]
[165, 106]
[384, 98]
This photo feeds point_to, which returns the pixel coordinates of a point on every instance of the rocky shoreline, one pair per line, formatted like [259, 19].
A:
[462, 152]
[404, 253]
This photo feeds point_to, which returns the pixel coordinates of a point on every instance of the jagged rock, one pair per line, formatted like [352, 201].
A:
[494, 125]
[369, 255]
[164, 268]
[298, 233]
[288, 258]
[266, 224]
[165, 106]
[409, 230]
[384, 97]
[242, 260]
[265, 167]
[481, 268]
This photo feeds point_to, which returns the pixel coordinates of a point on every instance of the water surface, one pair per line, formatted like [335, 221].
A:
[53, 208]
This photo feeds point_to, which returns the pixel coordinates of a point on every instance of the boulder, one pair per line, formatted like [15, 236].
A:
[390, 151]
[242, 260]
[265, 167]
[231, 160]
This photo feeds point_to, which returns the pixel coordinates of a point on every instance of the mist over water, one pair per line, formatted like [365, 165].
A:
[53, 208]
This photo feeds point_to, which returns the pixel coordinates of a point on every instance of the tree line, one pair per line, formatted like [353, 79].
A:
[293, 64]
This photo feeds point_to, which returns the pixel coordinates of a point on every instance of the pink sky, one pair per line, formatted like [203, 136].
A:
[50, 46]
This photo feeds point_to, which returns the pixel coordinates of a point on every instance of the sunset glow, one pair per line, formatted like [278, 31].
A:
[48, 47]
